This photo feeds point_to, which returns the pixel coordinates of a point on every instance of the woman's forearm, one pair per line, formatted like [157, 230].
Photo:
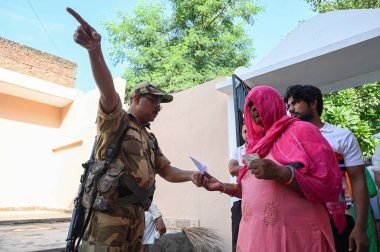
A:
[231, 189]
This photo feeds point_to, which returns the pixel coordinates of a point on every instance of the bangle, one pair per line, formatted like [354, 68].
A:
[224, 188]
[233, 191]
[291, 178]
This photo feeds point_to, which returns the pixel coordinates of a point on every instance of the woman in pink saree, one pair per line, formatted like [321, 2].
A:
[285, 192]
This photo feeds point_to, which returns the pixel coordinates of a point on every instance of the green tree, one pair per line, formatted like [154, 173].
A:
[323, 6]
[357, 109]
[195, 41]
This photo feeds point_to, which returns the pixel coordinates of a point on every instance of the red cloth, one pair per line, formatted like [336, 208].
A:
[290, 140]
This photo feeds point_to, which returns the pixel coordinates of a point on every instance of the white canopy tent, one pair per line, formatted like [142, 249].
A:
[332, 51]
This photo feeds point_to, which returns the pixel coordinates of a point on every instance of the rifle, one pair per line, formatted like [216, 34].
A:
[79, 211]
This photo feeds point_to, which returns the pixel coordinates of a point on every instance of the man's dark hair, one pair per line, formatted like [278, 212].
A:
[307, 93]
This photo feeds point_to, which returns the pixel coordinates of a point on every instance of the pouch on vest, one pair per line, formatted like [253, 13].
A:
[100, 192]
[104, 178]
[107, 194]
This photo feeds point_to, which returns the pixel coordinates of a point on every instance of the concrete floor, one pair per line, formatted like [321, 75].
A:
[33, 237]
[25, 231]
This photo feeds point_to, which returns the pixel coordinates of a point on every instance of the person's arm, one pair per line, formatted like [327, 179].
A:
[377, 178]
[103, 79]
[267, 169]
[233, 167]
[230, 189]
[360, 196]
[157, 217]
[154, 211]
[175, 175]
[376, 164]
[233, 163]
[212, 184]
[377, 182]
[87, 37]
[160, 225]
[354, 162]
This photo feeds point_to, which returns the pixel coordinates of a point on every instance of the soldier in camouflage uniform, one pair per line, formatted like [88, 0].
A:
[122, 228]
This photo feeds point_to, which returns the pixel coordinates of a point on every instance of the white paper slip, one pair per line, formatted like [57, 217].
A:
[249, 157]
[201, 167]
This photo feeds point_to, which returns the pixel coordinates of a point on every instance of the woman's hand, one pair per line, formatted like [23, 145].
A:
[207, 181]
[267, 169]
[197, 178]
[212, 184]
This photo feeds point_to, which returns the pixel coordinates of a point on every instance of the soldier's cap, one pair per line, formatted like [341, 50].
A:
[148, 88]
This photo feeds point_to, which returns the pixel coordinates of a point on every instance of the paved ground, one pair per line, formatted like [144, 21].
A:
[25, 231]
[14, 216]
[33, 237]
[32, 231]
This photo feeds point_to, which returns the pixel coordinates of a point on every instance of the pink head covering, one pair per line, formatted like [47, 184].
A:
[271, 109]
[290, 140]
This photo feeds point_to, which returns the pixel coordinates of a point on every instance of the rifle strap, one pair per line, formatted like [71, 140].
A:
[115, 146]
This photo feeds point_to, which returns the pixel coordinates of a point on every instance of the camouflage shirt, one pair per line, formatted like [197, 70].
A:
[139, 155]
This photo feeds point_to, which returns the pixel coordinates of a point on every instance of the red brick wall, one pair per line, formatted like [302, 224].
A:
[32, 62]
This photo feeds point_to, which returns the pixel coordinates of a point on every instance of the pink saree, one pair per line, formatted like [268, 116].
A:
[275, 217]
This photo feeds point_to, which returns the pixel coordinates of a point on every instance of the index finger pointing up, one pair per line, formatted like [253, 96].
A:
[78, 17]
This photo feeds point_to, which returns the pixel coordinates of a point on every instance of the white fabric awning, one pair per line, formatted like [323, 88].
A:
[333, 51]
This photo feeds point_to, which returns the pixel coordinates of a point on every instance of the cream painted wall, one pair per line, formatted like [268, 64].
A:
[26, 160]
[33, 175]
[196, 124]
[79, 125]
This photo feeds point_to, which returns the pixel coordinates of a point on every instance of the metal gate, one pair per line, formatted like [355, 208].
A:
[240, 91]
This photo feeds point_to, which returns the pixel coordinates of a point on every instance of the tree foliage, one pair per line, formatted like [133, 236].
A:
[357, 109]
[197, 41]
[323, 6]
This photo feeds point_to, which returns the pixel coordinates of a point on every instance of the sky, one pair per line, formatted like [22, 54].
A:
[45, 25]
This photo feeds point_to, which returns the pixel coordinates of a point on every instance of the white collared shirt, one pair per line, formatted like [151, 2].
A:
[344, 142]
[237, 155]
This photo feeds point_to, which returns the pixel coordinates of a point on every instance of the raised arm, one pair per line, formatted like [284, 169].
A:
[87, 37]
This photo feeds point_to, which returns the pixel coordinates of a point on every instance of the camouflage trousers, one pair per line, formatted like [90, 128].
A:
[119, 231]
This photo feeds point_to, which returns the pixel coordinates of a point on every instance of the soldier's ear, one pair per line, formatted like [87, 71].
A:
[136, 99]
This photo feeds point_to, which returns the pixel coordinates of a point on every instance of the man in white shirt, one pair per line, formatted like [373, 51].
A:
[305, 102]
[234, 166]
[154, 226]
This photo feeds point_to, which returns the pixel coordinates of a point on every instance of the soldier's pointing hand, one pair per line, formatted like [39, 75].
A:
[85, 35]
